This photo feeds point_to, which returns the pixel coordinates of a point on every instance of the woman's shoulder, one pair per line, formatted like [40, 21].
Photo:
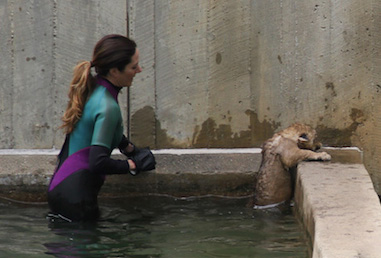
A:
[102, 100]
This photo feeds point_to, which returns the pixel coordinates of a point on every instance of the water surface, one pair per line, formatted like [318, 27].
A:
[154, 227]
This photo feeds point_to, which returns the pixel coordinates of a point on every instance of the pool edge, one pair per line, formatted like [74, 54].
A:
[339, 209]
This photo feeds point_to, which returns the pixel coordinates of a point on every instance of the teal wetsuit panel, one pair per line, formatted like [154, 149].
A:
[100, 124]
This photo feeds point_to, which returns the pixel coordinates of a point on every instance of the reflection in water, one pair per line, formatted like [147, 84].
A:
[75, 240]
[109, 237]
[155, 227]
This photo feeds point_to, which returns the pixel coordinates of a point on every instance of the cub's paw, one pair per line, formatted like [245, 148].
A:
[324, 156]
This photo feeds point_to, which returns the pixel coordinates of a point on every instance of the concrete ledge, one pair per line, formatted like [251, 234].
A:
[25, 174]
[193, 173]
[340, 209]
[349, 155]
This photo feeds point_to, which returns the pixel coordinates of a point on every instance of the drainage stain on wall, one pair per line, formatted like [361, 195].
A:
[212, 135]
[261, 130]
[146, 130]
[143, 125]
[341, 137]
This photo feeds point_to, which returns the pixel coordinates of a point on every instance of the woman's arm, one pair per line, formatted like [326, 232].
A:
[100, 162]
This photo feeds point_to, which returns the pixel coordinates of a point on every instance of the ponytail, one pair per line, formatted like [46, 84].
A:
[81, 86]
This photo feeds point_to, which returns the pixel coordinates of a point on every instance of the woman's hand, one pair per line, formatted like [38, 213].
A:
[132, 164]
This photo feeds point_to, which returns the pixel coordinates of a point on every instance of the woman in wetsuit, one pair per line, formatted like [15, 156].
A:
[94, 127]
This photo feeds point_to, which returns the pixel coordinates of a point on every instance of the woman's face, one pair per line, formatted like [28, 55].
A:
[125, 77]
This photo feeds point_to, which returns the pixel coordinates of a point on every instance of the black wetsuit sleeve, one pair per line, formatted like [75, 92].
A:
[123, 143]
[101, 163]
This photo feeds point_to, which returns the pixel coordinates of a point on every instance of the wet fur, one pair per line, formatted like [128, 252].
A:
[280, 153]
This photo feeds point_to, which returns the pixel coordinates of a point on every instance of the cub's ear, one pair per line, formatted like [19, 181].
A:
[303, 137]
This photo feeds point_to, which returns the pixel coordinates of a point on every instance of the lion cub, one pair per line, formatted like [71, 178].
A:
[280, 153]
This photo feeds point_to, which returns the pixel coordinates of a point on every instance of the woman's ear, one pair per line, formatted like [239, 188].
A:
[113, 76]
[113, 72]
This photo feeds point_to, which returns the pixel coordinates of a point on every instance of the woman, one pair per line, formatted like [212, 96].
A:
[94, 127]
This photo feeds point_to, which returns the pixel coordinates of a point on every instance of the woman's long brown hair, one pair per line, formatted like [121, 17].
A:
[111, 51]
[80, 87]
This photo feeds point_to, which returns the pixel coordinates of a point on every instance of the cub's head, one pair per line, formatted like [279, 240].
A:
[307, 141]
[304, 135]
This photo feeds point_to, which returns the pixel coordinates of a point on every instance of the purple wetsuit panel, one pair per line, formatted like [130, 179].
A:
[75, 162]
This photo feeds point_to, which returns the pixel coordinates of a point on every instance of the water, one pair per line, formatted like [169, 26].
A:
[154, 227]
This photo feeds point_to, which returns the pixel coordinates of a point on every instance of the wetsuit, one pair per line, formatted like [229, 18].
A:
[84, 159]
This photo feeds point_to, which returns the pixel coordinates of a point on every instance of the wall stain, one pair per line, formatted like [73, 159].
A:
[261, 131]
[212, 135]
[146, 130]
[280, 59]
[143, 127]
[341, 137]
[163, 140]
[218, 58]
[331, 86]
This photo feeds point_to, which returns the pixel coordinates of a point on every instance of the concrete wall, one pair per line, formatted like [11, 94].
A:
[41, 42]
[196, 85]
[230, 73]
[216, 73]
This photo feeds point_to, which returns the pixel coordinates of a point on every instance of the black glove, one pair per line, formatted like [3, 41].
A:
[143, 159]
